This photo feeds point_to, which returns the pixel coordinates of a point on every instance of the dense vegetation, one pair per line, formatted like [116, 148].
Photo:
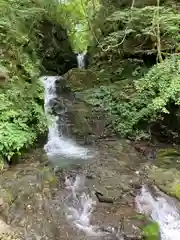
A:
[27, 42]
[137, 58]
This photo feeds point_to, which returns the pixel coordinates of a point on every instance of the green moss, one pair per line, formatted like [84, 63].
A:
[168, 158]
[82, 116]
[167, 180]
[80, 79]
[175, 189]
[151, 231]
[167, 152]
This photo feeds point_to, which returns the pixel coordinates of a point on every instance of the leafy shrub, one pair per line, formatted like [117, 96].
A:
[138, 26]
[144, 100]
[21, 22]
[129, 41]
[21, 110]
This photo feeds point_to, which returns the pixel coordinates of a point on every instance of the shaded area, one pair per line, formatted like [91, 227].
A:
[55, 49]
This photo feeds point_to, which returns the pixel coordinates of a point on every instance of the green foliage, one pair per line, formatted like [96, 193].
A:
[144, 100]
[21, 111]
[151, 231]
[139, 26]
[137, 93]
[77, 16]
[128, 43]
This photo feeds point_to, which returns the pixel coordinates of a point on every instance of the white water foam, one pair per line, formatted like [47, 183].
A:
[80, 214]
[163, 210]
[80, 211]
[80, 60]
[59, 145]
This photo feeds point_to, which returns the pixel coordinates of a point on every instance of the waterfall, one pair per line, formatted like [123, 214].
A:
[161, 209]
[58, 145]
[80, 60]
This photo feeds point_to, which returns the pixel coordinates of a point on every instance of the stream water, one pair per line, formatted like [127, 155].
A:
[80, 210]
[162, 209]
[60, 150]
[69, 209]
[80, 60]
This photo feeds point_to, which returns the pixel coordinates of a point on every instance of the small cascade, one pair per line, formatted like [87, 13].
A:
[80, 60]
[162, 209]
[58, 144]
[80, 208]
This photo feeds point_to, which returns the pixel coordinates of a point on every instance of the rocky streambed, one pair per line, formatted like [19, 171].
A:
[33, 197]
[37, 195]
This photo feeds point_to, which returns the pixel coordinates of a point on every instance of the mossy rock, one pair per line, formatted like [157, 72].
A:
[81, 116]
[80, 79]
[168, 180]
[168, 158]
[151, 231]
[86, 122]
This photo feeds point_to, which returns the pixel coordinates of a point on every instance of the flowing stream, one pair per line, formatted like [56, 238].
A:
[79, 205]
[162, 209]
[63, 151]
[59, 148]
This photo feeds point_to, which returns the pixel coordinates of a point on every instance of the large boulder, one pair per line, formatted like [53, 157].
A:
[83, 121]
[80, 79]
[86, 123]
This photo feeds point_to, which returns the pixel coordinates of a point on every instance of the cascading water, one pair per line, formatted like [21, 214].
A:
[163, 210]
[58, 145]
[80, 210]
[80, 60]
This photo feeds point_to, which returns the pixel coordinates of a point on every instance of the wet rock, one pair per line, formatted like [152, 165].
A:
[38, 200]
[85, 123]
[168, 158]
[6, 199]
[128, 229]
[80, 79]
[57, 106]
[79, 118]
[102, 198]
[148, 151]
[168, 180]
